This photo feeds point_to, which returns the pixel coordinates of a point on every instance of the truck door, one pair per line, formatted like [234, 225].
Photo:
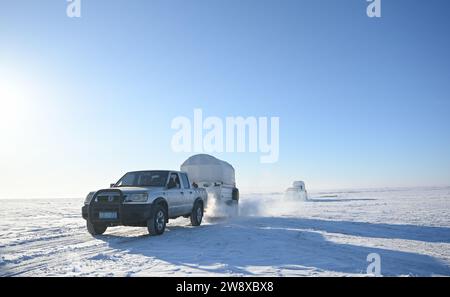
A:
[188, 194]
[175, 196]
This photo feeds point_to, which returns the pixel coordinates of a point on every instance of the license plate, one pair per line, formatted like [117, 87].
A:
[109, 215]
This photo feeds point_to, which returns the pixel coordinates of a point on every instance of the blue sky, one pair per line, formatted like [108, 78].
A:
[362, 102]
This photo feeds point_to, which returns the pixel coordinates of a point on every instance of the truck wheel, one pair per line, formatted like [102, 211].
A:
[157, 223]
[197, 214]
[96, 229]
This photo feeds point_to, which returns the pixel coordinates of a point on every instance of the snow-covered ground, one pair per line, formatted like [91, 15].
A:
[330, 235]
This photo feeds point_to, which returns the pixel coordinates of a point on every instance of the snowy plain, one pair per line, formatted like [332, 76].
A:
[330, 235]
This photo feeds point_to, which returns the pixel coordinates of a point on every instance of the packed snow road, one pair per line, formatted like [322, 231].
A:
[332, 234]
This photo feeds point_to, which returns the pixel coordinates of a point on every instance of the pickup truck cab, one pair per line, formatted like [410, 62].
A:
[144, 199]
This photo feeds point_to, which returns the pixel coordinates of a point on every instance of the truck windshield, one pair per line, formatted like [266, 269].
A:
[143, 179]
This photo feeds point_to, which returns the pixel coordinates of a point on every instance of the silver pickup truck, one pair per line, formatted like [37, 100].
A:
[145, 199]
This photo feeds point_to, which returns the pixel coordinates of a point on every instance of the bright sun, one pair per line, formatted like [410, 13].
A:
[13, 107]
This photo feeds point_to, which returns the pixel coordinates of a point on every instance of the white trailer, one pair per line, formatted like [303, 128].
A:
[217, 177]
[297, 191]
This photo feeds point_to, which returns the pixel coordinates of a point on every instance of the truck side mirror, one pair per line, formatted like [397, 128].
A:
[112, 185]
[194, 185]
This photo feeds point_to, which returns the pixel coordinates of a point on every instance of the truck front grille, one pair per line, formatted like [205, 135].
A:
[108, 198]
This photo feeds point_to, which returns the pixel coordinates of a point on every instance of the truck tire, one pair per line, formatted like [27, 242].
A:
[197, 213]
[157, 222]
[96, 229]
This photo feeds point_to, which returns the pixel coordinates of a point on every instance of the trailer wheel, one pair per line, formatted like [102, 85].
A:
[234, 209]
[95, 229]
[197, 213]
[235, 194]
[157, 222]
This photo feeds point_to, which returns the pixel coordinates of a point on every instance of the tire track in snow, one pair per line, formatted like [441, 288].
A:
[57, 252]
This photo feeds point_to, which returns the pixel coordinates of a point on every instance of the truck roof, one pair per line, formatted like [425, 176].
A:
[165, 170]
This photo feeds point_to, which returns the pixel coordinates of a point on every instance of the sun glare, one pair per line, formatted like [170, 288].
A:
[13, 104]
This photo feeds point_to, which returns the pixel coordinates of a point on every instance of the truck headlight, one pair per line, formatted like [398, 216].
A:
[137, 197]
[89, 198]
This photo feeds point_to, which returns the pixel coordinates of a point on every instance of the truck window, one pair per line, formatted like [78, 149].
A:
[185, 180]
[143, 179]
[174, 181]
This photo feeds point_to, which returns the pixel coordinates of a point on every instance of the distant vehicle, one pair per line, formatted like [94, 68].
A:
[217, 177]
[297, 191]
[145, 199]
